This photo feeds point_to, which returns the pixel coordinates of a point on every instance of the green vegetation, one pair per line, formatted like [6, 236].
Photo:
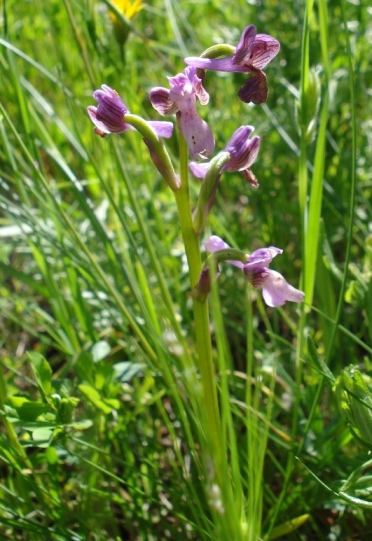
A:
[105, 425]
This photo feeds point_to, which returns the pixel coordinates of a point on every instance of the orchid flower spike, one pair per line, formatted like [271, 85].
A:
[109, 116]
[185, 88]
[243, 153]
[275, 290]
[252, 54]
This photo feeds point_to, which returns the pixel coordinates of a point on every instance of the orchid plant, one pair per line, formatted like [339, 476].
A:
[196, 145]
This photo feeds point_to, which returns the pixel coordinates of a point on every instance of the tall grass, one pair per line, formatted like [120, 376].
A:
[116, 423]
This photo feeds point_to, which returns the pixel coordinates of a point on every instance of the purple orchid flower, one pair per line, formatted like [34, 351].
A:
[185, 88]
[109, 116]
[252, 54]
[243, 153]
[275, 289]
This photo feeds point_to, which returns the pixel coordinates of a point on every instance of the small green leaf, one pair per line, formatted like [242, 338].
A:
[105, 405]
[27, 409]
[42, 372]
[32, 425]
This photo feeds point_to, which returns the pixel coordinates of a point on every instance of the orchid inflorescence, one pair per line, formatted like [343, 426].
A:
[251, 55]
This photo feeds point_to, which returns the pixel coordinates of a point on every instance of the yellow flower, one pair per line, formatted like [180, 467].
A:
[127, 7]
[121, 13]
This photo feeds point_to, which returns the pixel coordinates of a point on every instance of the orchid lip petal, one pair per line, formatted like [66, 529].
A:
[197, 133]
[255, 89]
[276, 290]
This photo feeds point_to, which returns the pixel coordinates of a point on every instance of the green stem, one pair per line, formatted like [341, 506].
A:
[302, 195]
[210, 410]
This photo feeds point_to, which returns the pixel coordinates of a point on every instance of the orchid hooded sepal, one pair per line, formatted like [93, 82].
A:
[185, 89]
[112, 116]
[275, 289]
[252, 54]
[207, 277]
[240, 153]
[109, 117]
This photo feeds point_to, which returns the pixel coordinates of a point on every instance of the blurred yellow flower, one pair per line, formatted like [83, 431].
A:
[122, 26]
[127, 7]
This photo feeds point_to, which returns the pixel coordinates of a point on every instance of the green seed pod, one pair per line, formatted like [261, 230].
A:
[308, 106]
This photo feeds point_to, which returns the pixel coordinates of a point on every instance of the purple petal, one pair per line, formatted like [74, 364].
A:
[239, 138]
[276, 290]
[199, 89]
[214, 243]
[216, 64]
[243, 51]
[161, 101]
[186, 87]
[163, 129]
[264, 49]
[108, 117]
[180, 86]
[254, 89]
[100, 128]
[260, 258]
[198, 135]
[243, 151]
[199, 170]
[255, 51]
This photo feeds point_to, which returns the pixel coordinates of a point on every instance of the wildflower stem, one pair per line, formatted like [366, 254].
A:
[157, 149]
[209, 403]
